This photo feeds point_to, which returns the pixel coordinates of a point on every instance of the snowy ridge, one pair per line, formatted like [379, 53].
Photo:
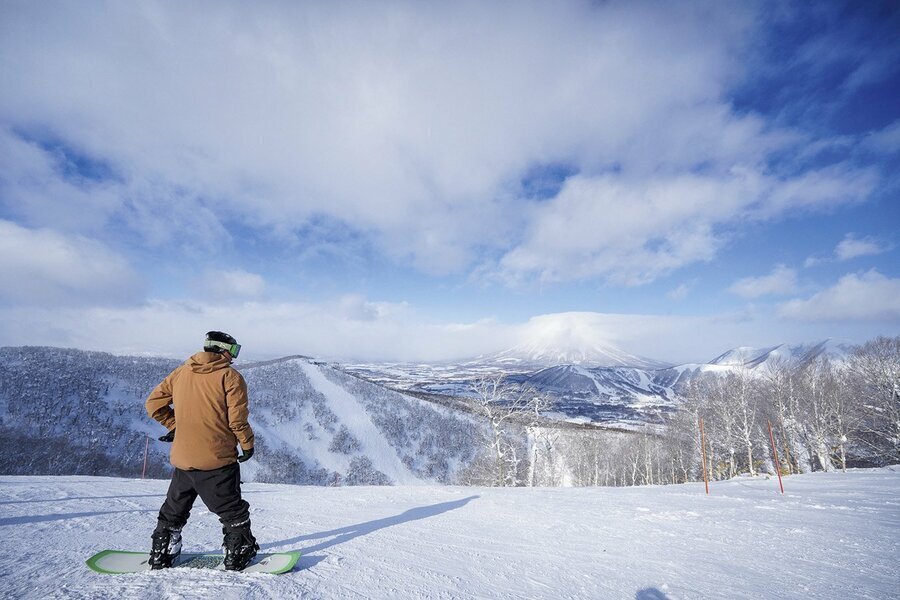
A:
[802, 353]
[832, 535]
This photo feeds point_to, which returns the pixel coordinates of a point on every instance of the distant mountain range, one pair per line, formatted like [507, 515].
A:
[600, 384]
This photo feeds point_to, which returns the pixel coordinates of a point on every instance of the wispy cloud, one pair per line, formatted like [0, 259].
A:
[780, 282]
[867, 296]
[849, 248]
[844, 46]
[632, 230]
[884, 140]
[679, 293]
[230, 283]
[40, 267]
[853, 247]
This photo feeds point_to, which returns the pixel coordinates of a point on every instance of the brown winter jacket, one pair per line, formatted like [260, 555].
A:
[210, 412]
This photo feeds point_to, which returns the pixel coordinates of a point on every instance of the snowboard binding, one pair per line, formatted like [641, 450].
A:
[165, 549]
[240, 546]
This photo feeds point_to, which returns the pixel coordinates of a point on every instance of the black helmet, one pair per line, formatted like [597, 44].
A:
[217, 341]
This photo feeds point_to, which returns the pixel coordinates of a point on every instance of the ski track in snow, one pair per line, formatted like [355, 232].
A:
[832, 535]
[352, 414]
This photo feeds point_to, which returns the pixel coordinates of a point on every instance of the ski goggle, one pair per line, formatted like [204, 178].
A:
[233, 349]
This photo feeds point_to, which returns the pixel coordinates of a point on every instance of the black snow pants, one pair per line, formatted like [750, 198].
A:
[220, 490]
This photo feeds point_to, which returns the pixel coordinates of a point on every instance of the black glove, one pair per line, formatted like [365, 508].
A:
[169, 437]
[246, 455]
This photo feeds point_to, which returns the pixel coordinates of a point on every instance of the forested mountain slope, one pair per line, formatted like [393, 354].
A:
[71, 411]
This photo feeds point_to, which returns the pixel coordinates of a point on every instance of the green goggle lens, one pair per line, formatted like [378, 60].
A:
[233, 349]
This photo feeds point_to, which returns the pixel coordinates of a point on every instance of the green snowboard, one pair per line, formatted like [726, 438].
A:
[114, 562]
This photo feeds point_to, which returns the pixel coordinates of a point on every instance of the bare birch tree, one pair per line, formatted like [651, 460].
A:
[876, 367]
[509, 410]
[781, 406]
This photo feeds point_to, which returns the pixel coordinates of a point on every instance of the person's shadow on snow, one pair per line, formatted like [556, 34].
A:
[345, 534]
[650, 594]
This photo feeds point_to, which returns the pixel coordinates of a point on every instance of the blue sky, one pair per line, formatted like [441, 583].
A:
[415, 180]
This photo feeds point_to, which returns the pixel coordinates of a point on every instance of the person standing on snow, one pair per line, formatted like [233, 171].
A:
[205, 399]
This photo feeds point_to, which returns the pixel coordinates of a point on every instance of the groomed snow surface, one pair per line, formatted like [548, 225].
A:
[832, 535]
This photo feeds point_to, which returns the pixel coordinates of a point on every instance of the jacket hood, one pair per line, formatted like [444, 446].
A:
[207, 362]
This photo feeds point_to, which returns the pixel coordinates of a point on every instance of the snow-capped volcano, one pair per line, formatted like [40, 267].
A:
[568, 339]
[594, 355]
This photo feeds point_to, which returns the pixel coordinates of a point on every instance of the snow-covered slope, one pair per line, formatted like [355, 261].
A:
[69, 411]
[832, 535]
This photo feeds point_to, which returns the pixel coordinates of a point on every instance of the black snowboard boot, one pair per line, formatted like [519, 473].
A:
[240, 546]
[166, 547]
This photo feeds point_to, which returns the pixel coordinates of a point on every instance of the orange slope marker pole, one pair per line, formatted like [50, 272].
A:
[703, 456]
[775, 454]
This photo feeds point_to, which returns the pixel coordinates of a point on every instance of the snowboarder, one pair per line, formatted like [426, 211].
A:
[205, 399]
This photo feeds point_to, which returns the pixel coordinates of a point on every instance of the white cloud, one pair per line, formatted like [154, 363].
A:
[679, 293]
[818, 190]
[42, 267]
[235, 283]
[814, 261]
[41, 187]
[781, 281]
[869, 296]
[328, 330]
[849, 248]
[632, 230]
[358, 308]
[35, 190]
[628, 231]
[852, 247]
[348, 328]
[884, 140]
[411, 124]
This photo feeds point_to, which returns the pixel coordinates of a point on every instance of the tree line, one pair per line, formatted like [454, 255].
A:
[821, 415]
